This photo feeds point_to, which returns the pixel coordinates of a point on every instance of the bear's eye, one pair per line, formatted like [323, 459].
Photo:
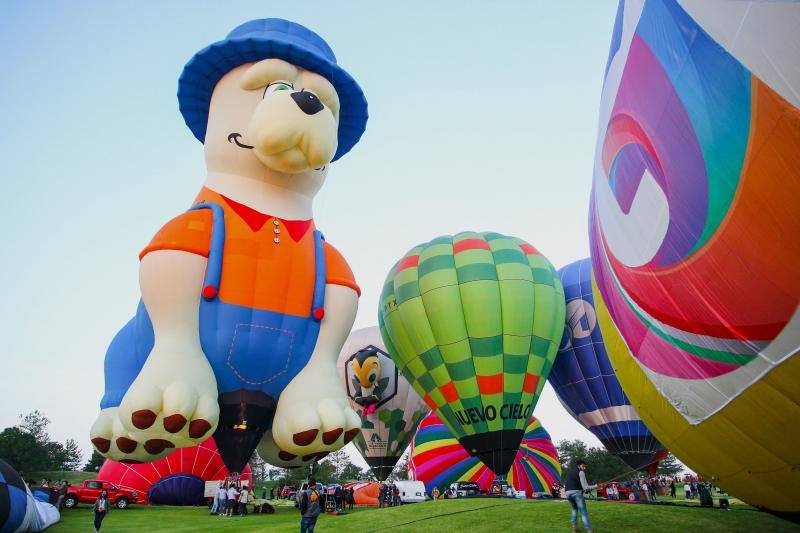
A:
[277, 86]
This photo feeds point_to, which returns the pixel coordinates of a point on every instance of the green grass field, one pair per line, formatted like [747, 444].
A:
[441, 516]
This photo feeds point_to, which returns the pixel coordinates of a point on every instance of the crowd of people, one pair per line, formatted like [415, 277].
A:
[388, 495]
[232, 497]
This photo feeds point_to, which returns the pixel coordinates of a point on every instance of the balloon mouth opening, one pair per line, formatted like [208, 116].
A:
[495, 449]
[244, 417]
[382, 467]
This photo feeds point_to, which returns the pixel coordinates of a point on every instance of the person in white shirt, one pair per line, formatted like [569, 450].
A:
[243, 501]
[232, 499]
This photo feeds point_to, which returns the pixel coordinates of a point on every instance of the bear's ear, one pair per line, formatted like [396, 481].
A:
[266, 71]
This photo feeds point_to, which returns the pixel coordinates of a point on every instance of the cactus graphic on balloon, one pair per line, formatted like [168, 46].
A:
[474, 321]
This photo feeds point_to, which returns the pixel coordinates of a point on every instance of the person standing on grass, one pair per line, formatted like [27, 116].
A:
[308, 503]
[576, 485]
[435, 493]
[62, 493]
[222, 497]
[215, 503]
[100, 509]
[672, 489]
[232, 499]
[243, 501]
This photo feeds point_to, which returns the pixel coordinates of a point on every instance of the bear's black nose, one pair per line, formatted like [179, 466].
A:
[307, 102]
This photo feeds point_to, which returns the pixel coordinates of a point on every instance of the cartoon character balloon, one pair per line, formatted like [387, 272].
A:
[474, 322]
[693, 229]
[244, 304]
[177, 479]
[437, 459]
[585, 382]
[389, 407]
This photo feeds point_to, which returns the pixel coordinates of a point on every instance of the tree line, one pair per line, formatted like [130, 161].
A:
[28, 447]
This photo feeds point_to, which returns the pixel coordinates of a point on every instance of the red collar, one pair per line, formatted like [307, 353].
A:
[256, 219]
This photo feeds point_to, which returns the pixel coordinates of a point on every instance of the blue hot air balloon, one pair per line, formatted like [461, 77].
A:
[585, 382]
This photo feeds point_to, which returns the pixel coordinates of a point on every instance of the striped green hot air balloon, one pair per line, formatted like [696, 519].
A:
[474, 322]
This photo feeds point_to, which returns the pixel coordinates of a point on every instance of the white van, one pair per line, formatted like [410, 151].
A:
[411, 491]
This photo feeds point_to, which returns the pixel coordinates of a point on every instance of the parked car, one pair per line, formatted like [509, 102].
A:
[304, 486]
[624, 491]
[287, 491]
[90, 491]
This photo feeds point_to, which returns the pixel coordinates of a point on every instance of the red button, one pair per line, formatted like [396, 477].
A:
[209, 292]
[319, 312]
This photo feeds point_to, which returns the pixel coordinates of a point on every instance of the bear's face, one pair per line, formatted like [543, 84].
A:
[272, 119]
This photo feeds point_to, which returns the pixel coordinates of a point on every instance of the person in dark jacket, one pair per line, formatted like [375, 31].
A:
[351, 498]
[576, 485]
[309, 505]
[100, 509]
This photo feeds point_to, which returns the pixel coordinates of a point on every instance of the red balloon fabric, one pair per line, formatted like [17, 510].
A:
[175, 479]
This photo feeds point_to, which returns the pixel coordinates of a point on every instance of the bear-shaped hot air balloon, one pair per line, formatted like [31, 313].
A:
[244, 304]
[389, 407]
[584, 380]
[693, 230]
[474, 322]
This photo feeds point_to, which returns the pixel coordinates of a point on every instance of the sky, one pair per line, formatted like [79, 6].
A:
[483, 116]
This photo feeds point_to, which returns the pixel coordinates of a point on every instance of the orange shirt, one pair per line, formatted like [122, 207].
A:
[268, 262]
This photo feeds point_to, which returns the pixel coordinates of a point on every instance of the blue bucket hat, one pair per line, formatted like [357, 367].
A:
[261, 39]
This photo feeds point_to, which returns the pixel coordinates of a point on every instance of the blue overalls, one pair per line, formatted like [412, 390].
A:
[247, 348]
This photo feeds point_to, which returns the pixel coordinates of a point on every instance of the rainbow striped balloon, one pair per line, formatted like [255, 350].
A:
[437, 459]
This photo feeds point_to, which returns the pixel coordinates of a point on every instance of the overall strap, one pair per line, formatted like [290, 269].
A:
[318, 299]
[214, 268]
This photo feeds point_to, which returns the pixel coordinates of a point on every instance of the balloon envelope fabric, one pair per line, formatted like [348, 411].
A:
[585, 382]
[474, 321]
[177, 479]
[394, 410]
[437, 459]
[14, 511]
[693, 233]
[365, 492]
